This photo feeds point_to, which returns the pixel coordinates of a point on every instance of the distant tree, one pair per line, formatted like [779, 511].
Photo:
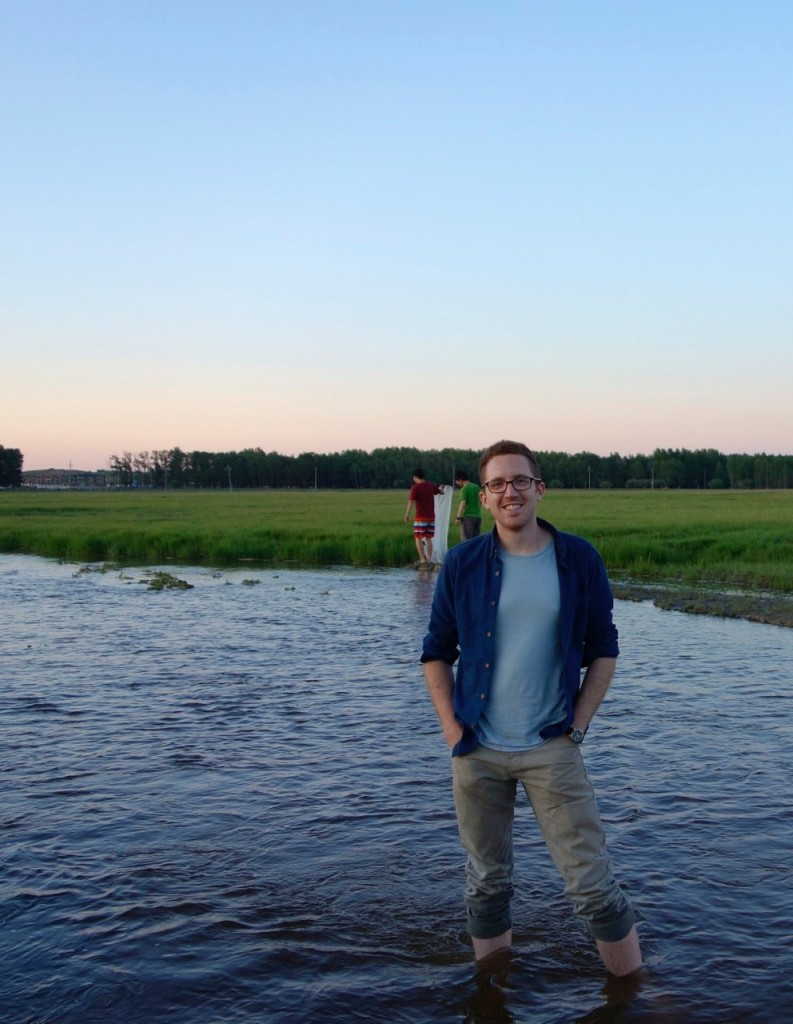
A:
[10, 467]
[176, 467]
[121, 466]
[740, 470]
[142, 465]
[614, 470]
[668, 465]
[638, 469]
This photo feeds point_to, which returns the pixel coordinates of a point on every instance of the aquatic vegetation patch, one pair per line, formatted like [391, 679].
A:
[158, 580]
[771, 609]
[102, 569]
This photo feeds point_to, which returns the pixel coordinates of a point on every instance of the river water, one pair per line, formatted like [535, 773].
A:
[232, 803]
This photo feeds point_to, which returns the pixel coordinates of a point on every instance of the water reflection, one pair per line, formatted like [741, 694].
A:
[232, 803]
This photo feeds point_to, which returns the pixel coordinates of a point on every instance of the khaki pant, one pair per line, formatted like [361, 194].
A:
[563, 801]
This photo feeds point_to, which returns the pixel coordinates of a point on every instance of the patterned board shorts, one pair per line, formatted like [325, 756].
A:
[423, 527]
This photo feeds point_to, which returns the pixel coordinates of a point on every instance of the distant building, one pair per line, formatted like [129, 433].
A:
[64, 479]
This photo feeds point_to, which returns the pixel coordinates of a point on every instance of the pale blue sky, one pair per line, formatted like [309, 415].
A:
[327, 225]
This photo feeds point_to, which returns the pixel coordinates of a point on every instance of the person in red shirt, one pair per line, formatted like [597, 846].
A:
[422, 498]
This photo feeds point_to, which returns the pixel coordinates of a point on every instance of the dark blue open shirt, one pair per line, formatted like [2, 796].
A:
[463, 621]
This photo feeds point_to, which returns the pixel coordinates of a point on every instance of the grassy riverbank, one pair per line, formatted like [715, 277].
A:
[684, 541]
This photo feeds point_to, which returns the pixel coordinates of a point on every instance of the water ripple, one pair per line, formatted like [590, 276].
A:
[232, 804]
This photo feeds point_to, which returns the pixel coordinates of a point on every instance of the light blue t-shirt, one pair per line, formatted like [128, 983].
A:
[526, 692]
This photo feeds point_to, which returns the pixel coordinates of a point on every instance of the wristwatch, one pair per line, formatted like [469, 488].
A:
[576, 735]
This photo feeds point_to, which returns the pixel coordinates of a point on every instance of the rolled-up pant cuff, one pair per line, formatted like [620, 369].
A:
[488, 927]
[615, 928]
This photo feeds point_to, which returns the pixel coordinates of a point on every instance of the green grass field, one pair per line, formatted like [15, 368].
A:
[742, 538]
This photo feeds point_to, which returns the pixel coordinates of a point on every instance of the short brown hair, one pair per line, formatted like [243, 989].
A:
[508, 448]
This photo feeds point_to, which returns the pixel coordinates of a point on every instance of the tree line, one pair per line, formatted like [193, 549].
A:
[388, 468]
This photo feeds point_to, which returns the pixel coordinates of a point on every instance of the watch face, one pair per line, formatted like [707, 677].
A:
[576, 735]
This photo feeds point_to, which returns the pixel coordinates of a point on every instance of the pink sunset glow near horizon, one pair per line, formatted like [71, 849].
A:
[91, 452]
[336, 226]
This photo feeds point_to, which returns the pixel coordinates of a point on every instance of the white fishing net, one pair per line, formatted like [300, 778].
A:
[443, 513]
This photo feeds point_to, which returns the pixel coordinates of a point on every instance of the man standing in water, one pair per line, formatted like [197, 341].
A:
[422, 496]
[525, 608]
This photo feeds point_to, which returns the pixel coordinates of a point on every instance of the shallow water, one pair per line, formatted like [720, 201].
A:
[232, 803]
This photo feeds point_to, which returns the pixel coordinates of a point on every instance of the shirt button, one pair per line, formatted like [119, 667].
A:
[488, 633]
[481, 696]
[487, 664]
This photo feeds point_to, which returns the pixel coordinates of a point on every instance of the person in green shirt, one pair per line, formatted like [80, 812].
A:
[469, 511]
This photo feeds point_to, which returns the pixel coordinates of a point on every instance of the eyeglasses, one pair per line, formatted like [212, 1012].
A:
[520, 483]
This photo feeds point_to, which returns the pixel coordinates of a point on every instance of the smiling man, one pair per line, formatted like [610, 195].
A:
[526, 609]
